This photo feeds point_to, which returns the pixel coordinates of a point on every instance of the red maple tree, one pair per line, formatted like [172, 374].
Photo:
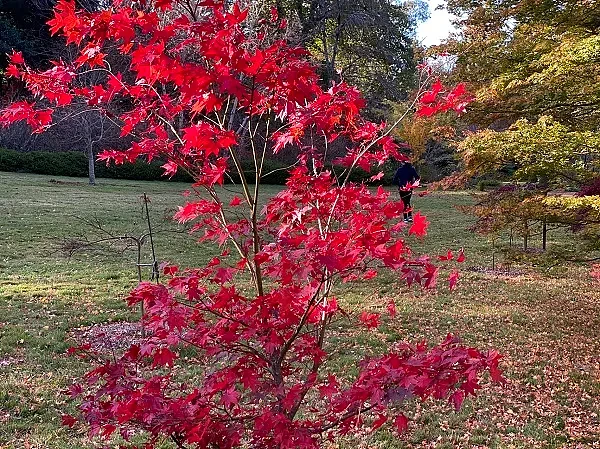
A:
[199, 81]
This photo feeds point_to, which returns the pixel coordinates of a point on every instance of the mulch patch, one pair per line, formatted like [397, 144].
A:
[69, 183]
[497, 272]
[109, 337]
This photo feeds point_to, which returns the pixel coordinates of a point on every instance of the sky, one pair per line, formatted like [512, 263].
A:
[437, 27]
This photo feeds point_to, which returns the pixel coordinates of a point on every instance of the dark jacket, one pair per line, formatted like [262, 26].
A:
[405, 174]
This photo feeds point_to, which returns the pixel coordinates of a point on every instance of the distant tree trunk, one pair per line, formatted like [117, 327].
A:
[544, 234]
[494, 254]
[91, 163]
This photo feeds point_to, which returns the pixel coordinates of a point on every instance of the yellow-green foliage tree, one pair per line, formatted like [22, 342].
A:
[534, 67]
[545, 150]
[530, 58]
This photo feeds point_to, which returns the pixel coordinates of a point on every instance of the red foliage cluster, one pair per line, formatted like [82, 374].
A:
[23, 110]
[436, 100]
[195, 83]
[591, 188]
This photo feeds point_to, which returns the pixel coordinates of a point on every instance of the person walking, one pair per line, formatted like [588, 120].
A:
[406, 178]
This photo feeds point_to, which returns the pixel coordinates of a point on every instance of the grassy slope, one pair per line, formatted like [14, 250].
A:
[544, 321]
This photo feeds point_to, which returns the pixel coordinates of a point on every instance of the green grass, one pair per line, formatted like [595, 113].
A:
[544, 320]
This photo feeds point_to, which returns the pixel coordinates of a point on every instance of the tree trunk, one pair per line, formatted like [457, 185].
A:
[91, 165]
[544, 235]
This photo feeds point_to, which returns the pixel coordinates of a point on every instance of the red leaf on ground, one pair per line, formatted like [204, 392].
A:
[391, 308]
[371, 320]
[379, 421]
[68, 420]
[453, 279]
[448, 256]
[401, 423]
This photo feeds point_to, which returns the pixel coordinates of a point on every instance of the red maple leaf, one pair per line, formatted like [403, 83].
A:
[230, 397]
[170, 168]
[427, 110]
[453, 279]
[370, 320]
[75, 390]
[457, 399]
[164, 4]
[68, 420]
[431, 96]
[419, 226]
[16, 58]
[379, 421]
[330, 388]
[370, 274]
[207, 138]
[401, 423]
[447, 256]
[163, 357]
[377, 177]
[391, 308]
[170, 270]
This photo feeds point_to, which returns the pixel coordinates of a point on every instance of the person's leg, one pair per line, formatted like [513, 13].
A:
[405, 197]
[408, 206]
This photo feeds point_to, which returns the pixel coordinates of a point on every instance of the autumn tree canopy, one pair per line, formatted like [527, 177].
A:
[532, 62]
[369, 43]
[534, 67]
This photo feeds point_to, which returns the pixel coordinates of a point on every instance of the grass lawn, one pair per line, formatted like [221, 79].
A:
[544, 319]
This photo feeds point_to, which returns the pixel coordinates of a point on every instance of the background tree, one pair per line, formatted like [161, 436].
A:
[527, 59]
[430, 142]
[94, 132]
[24, 29]
[369, 43]
[534, 68]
